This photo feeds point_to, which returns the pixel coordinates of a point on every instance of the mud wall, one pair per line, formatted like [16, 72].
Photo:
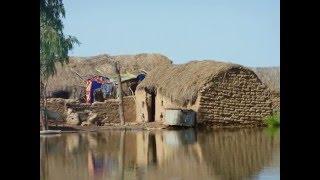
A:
[234, 98]
[107, 110]
[57, 105]
[143, 106]
[163, 103]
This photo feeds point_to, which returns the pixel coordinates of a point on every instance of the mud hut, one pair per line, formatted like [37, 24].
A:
[220, 93]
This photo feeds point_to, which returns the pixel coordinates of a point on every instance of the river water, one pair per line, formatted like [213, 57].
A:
[162, 154]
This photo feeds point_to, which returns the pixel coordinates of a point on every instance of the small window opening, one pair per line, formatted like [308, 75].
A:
[161, 102]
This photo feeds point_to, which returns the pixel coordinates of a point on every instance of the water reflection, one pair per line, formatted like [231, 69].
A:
[182, 154]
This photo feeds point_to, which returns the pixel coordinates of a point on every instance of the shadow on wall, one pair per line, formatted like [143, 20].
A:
[60, 94]
[73, 92]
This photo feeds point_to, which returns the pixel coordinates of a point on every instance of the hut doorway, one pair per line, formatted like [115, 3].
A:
[151, 106]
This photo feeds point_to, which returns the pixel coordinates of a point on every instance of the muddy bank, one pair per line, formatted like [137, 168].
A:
[139, 126]
[108, 126]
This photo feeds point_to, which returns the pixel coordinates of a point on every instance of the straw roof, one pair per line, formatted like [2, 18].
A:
[80, 68]
[182, 82]
[270, 76]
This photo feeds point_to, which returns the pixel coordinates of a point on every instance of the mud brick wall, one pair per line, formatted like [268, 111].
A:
[234, 98]
[61, 106]
[108, 110]
[57, 105]
[78, 107]
[275, 101]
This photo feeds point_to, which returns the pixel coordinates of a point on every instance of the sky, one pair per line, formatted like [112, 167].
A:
[245, 32]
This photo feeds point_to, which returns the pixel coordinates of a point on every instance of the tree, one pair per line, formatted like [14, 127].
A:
[54, 45]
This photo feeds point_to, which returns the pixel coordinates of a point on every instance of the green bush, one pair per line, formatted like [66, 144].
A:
[273, 120]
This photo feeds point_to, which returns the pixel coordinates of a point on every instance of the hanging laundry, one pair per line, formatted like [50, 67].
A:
[140, 77]
[93, 84]
[107, 89]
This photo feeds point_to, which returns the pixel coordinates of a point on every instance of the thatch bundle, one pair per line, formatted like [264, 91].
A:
[79, 68]
[182, 82]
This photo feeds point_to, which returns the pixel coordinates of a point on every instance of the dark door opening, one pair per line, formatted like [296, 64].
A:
[153, 107]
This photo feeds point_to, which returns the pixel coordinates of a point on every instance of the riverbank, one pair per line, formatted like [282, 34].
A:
[109, 126]
[137, 126]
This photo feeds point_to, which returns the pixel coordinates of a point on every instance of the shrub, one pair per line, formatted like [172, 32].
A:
[273, 120]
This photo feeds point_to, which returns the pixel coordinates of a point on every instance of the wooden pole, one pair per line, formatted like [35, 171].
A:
[119, 93]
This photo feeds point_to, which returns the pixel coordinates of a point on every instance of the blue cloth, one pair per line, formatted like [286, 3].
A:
[140, 77]
[95, 85]
[107, 89]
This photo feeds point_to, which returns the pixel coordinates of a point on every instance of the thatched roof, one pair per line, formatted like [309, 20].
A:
[270, 76]
[182, 82]
[86, 67]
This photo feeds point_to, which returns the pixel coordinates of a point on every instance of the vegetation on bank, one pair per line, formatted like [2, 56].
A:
[273, 120]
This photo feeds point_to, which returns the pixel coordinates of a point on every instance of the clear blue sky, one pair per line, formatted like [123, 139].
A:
[246, 32]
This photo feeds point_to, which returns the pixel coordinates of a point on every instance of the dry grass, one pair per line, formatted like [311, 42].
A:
[182, 82]
[270, 76]
[101, 65]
